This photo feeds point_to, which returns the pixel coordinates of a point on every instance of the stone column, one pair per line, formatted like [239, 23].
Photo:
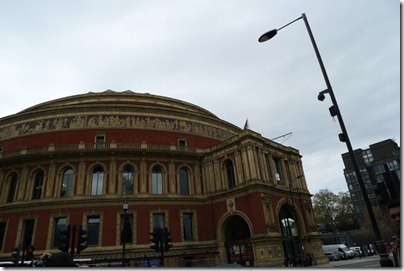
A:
[81, 174]
[52, 179]
[172, 176]
[239, 170]
[143, 176]
[112, 183]
[22, 185]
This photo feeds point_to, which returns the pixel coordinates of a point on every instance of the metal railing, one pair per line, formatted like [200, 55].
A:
[55, 148]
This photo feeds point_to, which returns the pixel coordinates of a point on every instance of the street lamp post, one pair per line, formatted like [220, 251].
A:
[295, 219]
[125, 209]
[334, 110]
[290, 190]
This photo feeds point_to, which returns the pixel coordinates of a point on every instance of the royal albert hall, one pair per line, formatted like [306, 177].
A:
[225, 194]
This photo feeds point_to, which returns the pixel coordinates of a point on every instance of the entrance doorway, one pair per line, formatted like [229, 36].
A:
[290, 234]
[237, 241]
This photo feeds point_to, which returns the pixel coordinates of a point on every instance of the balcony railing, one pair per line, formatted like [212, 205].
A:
[89, 147]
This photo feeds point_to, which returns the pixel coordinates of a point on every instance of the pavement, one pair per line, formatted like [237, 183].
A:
[341, 263]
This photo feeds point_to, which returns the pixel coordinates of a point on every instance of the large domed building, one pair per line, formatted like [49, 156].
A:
[224, 193]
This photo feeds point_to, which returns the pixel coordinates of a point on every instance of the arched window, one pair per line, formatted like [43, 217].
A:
[12, 187]
[38, 183]
[67, 183]
[184, 181]
[157, 180]
[231, 182]
[97, 182]
[127, 180]
[289, 227]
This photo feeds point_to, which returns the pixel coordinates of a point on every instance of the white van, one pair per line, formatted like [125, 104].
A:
[341, 248]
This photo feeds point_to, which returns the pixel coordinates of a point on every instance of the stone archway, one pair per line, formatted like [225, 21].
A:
[291, 231]
[237, 241]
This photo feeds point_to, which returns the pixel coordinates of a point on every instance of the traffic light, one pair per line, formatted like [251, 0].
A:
[156, 239]
[29, 254]
[82, 239]
[64, 239]
[16, 254]
[167, 240]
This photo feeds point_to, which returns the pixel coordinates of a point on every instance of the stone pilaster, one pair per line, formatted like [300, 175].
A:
[50, 182]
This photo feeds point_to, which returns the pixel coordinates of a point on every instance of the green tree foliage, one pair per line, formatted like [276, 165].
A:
[336, 212]
[346, 217]
[325, 204]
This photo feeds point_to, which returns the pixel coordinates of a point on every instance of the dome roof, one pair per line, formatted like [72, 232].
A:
[116, 110]
[125, 98]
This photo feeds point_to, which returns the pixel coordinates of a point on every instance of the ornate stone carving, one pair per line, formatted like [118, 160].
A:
[231, 205]
[111, 121]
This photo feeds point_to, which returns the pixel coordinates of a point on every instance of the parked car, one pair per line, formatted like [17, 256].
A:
[333, 256]
[347, 253]
[357, 250]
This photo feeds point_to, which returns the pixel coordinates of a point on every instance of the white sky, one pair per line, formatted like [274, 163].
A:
[206, 52]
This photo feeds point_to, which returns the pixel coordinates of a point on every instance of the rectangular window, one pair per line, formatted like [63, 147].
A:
[126, 230]
[12, 188]
[97, 182]
[158, 221]
[278, 167]
[182, 143]
[157, 183]
[393, 165]
[60, 224]
[67, 183]
[38, 183]
[100, 141]
[268, 166]
[367, 156]
[2, 233]
[28, 230]
[188, 226]
[93, 227]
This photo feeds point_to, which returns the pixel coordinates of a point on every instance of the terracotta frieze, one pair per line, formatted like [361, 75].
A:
[111, 121]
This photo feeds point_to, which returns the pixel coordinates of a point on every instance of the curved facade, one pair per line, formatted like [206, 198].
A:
[225, 194]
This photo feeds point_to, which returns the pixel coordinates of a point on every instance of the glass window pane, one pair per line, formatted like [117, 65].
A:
[97, 181]
[128, 180]
[231, 182]
[158, 221]
[12, 187]
[157, 181]
[188, 231]
[2, 233]
[93, 230]
[127, 228]
[60, 224]
[28, 231]
[38, 182]
[67, 183]
[184, 182]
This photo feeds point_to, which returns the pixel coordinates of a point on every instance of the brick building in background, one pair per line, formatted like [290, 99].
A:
[381, 172]
[226, 194]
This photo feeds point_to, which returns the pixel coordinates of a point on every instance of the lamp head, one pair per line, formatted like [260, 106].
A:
[125, 206]
[268, 35]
